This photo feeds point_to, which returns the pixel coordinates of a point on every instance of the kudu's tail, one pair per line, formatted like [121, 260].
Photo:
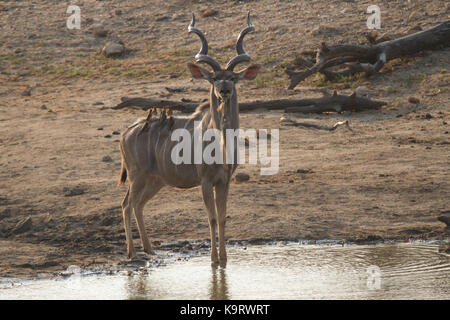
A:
[123, 170]
[123, 176]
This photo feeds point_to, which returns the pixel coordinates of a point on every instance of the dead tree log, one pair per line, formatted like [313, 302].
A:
[327, 103]
[289, 122]
[370, 58]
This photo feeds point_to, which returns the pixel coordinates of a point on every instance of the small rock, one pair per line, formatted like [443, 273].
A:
[162, 18]
[107, 159]
[362, 91]
[70, 192]
[116, 133]
[428, 116]
[26, 93]
[18, 51]
[285, 118]
[100, 31]
[113, 50]
[413, 100]
[445, 219]
[44, 107]
[118, 12]
[208, 13]
[108, 136]
[241, 177]
[346, 10]
[324, 30]
[23, 226]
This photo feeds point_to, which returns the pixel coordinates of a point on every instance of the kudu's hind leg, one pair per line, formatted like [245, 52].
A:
[126, 212]
[221, 204]
[139, 199]
[208, 198]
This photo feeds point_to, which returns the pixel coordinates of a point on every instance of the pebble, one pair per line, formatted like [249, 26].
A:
[241, 177]
[362, 91]
[70, 192]
[113, 49]
[100, 31]
[413, 100]
[107, 159]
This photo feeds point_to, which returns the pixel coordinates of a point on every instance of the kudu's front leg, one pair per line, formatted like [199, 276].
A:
[221, 204]
[208, 198]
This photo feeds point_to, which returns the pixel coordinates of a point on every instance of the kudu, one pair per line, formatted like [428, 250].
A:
[146, 148]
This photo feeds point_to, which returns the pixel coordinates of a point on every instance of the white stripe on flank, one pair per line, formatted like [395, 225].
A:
[149, 147]
[187, 123]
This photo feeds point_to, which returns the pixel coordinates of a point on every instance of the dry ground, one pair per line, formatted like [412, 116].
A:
[390, 179]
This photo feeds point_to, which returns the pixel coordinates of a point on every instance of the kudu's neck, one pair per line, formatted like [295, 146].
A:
[224, 114]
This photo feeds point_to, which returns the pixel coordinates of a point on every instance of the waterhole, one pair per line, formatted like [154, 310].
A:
[277, 271]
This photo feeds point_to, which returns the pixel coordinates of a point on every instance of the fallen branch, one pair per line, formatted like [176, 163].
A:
[327, 103]
[289, 122]
[370, 58]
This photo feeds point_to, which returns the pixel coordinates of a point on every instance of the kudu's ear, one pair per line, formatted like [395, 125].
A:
[198, 72]
[250, 73]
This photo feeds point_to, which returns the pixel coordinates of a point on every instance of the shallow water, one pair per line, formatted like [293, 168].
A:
[282, 271]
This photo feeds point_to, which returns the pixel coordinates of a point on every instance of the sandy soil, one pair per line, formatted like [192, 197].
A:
[388, 180]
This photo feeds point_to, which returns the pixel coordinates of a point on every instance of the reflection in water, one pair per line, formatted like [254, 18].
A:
[219, 288]
[138, 286]
[292, 271]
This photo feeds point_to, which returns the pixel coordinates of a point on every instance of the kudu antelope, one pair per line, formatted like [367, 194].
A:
[146, 148]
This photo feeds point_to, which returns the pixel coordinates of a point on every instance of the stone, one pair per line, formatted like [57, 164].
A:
[362, 91]
[100, 31]
[413, 100]
[113, 50]
[324, 30]
[241, 177]
[70, 192]
[107, 159]
[445, 219]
